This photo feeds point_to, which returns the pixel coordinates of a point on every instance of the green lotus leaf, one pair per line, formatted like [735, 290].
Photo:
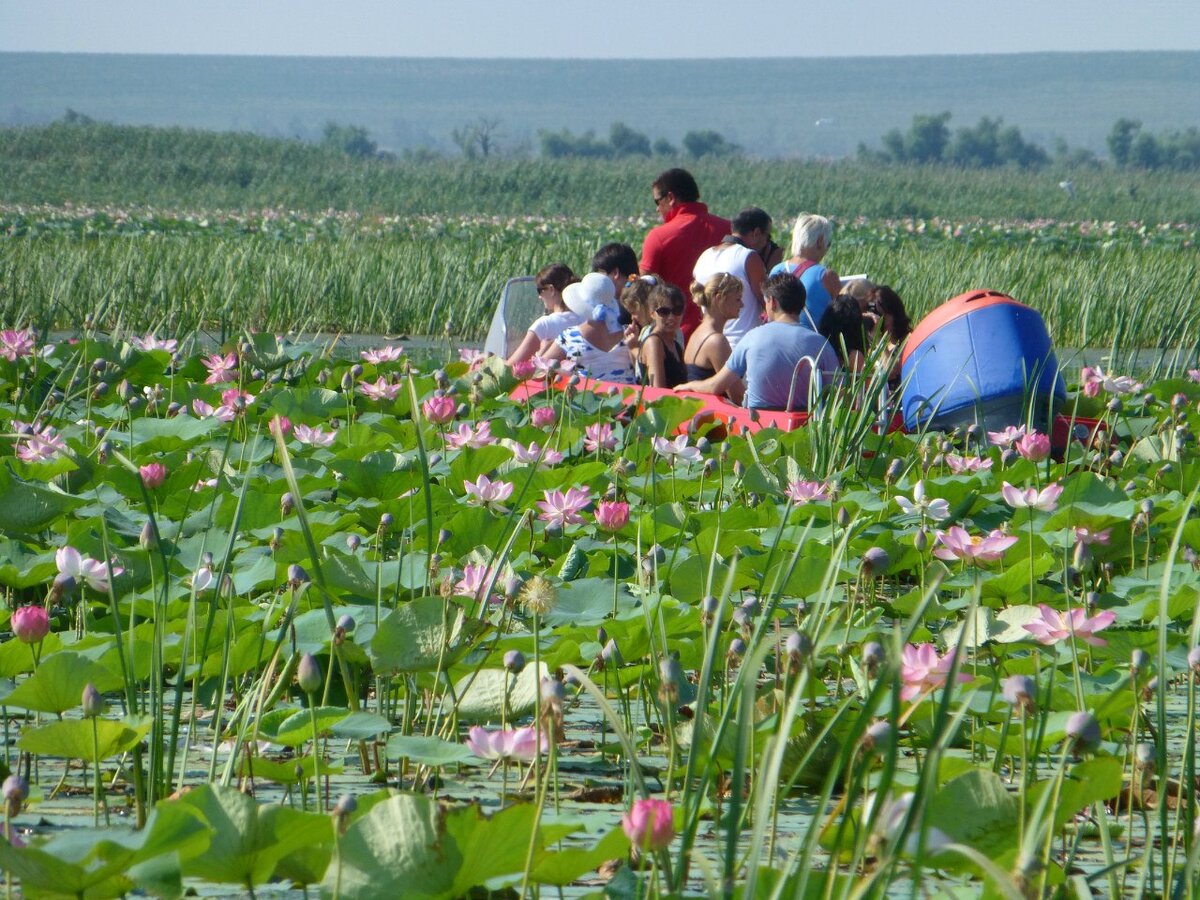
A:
[74, 739]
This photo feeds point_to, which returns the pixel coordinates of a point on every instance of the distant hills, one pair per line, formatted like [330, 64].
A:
[774, 107]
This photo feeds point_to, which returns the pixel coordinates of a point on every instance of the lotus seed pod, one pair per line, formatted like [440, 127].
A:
[99, 365]
[895, 467]
[873, 657]
[385, 522]
[346, 624]
[629, 468]
[1115, 405]
[1116, 458]
[276, 540]
[92, 702]
[514, 661]
[286, 503]
[737, 649]
[1147, 507]
[1139, 661]
[875, 562]
[100, 390]
[1009, 457]
[308, 674]
[353, 542]
[345, 806]
[296, 575]
[703, 444]
[877, 736]
[710, 467]
[553, 692]
[1083, 732]
[512, 585]
[1091, 600]
[1149, 399]
[741, 618]
[799, 648]
[63, 586]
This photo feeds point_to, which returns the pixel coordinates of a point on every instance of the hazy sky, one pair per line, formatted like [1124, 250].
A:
[598, 29]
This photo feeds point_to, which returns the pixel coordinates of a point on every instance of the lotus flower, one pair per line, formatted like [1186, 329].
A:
[473, 358]
[677, 449]
[475, 579]
[203, 410]
[544, 416]
[535, 454]
[1088, 537]
[802, 492]
[485, 492]
[921, 670]
[890, 822]
[1034, 447]
[965, 465]
[314, 436]
[611, 515]
[38, 444]
[30, 623]
[562, 509]
[511, 743]
[1194, 374]
[1055, 626]
[1093, 380]
[82, 568]
[153, 475]
[522, 369]
[956, 543]
[936, 509]
[221, 368]
[1008, 436]
[440, 409]
[379, 389]
[202, 579]
[150, 342]
[470, 438]
[382, 354]
[1031, 498]
[599, 436]
[649, 824]
[15, 344]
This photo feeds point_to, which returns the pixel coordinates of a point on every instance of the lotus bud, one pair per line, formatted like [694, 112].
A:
[1116, 458]
[1115, 405]
[875, 562]
[92, 702]
[1083, 732]
[723, 454]
[512, 585]
[299, 772]
[347, 382]
[1149, 689]
[100, 390]
[16, 791]
[1091, 600]
[739, 468]
[873, 657]
[737, 649]
[343, 809]
[895, 467]
[356, 370]
[1193, 659]
[1139, 660]
[1149, 399]
[877, 736]
[921, 540]
[514, 661]
[323, 377]
[1145, 757]
[741, 618]
[1164, 470]
[353, 542]
[439, 376]
[276, 539]
[611, 654]
[308, 674]
[296, 575]
[147, 539]
[601, 635]
[629, 467]
[554, 696]
[286, 503]
[30, 623]
[346, 624]
[434, 459]
[1009, 456]
[1082, 560]
[385, 522]
[670, 674]
[1020, 691]
[703, 444]
[709, 468]
[709, 606]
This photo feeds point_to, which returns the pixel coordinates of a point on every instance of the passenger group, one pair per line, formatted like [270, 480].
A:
[713, 307]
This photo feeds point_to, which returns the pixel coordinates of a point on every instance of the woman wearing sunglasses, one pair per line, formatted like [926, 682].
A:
[550, 282]
[661, 360]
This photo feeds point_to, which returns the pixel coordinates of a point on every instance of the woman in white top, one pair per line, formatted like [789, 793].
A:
[597, 344]
[550, 282]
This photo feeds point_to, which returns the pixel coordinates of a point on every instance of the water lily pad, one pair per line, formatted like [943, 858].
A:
[73, 738]
[58, 683]
[427, 751]
[481, 695]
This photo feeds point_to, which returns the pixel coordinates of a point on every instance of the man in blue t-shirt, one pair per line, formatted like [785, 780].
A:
[811, 238]
[770, 368]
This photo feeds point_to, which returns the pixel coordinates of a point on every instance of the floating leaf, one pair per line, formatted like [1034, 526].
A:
[413, 636]
[481, 694]
[73, 738]
[59, 681]
[427, 751]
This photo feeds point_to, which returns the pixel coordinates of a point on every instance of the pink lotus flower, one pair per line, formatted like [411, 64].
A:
[921, 670]
[965, 465]
[37, 444]
[1089, 537]
[440, 409]
[30, 623]
[1031, 498]
[560, 510]
[153, 475]
[1055, 626]
[485, 492]
[204, 483]
[221, 368]
[958, 544]
[150, 342]
[599, 436]
[475, 579]
[802, 492]
[543, 368]
[1194, 374]
[936, 509]
[236, 398]
[544, 416]
[280, 425]
[1008, 436]
[470, 438]
[535, 454]
[511, 743]
[202, 579]
[676, 450]
[379, 390]
[15, 344]
[382, 354]
[523, 369]
[1034, 446]
[649, 824]
[473, 358]
[82, 568]
[611, 515]
[1093, 380]
[315, 437]
[203, 410]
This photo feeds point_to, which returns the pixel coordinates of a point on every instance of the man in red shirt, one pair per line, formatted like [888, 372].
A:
[688, 229]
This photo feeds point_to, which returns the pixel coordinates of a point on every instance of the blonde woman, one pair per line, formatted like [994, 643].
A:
[720, 299]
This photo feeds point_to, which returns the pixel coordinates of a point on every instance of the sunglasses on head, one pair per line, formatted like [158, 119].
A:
[664, 311]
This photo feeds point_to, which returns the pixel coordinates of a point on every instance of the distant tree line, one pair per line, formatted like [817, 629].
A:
[624, 142]
[987, 145]
[1132, 148]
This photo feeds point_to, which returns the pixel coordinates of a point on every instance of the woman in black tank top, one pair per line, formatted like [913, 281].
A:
[720, 300]
[662, 366]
